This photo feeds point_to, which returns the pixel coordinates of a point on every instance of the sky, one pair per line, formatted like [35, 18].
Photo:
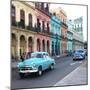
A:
[73, 12]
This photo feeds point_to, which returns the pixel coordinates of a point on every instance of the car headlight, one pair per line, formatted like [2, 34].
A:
[33, 65]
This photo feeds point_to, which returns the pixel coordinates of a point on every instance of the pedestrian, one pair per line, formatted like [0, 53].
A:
[22, 57]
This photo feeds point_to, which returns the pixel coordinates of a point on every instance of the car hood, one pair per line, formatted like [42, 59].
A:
[76, 54]
[29, 62]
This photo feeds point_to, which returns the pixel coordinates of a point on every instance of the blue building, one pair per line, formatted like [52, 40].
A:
[55, 35]
[70, 36]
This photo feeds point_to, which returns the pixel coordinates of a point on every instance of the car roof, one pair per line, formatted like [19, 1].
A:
[39, 53]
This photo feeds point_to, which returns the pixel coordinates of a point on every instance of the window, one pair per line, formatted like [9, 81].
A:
[30, 20]
[36, 56]
[22, 18]
[45, 56]
[22, 15]
[13, 16]
[38, 24]
[48, 27]
[42, 5]
[43, 25]
[46, 7]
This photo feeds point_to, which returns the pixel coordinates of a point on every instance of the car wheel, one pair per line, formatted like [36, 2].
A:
[22, 75]
[74, 59]
[39, 73]
[51, 66]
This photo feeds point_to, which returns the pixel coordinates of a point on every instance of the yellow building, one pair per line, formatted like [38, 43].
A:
[23, 20]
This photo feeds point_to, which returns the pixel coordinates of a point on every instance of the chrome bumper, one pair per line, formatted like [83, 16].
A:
[77, 57]
[28, 71]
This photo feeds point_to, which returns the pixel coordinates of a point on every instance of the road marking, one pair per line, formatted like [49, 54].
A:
[75, 63]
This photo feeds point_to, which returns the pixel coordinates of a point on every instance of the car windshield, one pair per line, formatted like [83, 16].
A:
[80, 51]
[36, 56]
[45, 55]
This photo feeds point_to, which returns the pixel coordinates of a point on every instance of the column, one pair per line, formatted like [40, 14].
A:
[26, 17]
[46, 46]
[34, 44]
[27, 44]
[18, 47]
[17, 13]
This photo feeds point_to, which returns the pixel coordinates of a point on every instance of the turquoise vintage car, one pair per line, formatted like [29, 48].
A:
[38, 62]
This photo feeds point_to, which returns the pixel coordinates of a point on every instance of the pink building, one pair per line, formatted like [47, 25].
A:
[43, 26]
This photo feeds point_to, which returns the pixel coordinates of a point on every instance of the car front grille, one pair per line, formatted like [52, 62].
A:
[26, 68]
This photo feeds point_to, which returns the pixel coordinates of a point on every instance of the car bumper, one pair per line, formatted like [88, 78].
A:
[78, 58]
[28, 71]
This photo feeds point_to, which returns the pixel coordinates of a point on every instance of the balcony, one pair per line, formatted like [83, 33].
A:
[69, 39]
[63, 36]
[64, 24]
[31, 28]
[21, 25]
[14, 23]
[55, 35]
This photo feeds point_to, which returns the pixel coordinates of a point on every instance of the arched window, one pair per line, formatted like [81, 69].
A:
[30, 20]
[53, 48]
[48, 29]
[13, 15]
[43, 25]
[43, 45]
[38, 25]
[38, 45]
[48, 46]
[22, 19]
[22, 15]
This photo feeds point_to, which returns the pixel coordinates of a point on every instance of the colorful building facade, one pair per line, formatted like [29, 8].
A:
[70, 36]
[34, 28]
[43, 26]
[30, 28]
[22, 31]
[64, 27]
[56, 33]
[60, 13]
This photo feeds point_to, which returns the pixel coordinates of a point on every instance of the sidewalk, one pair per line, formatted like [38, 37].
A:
[76, 77]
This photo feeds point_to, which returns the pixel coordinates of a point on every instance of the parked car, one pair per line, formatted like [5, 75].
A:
[79, 54]
[38, 62]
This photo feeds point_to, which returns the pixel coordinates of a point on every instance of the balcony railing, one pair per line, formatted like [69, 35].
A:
[36, 29]
[21, 25]
[64, 24]
[69, 39]
[63, 36]
[14, 23]
[55, 35]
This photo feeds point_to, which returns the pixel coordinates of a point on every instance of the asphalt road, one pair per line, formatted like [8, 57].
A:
[63, 67]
